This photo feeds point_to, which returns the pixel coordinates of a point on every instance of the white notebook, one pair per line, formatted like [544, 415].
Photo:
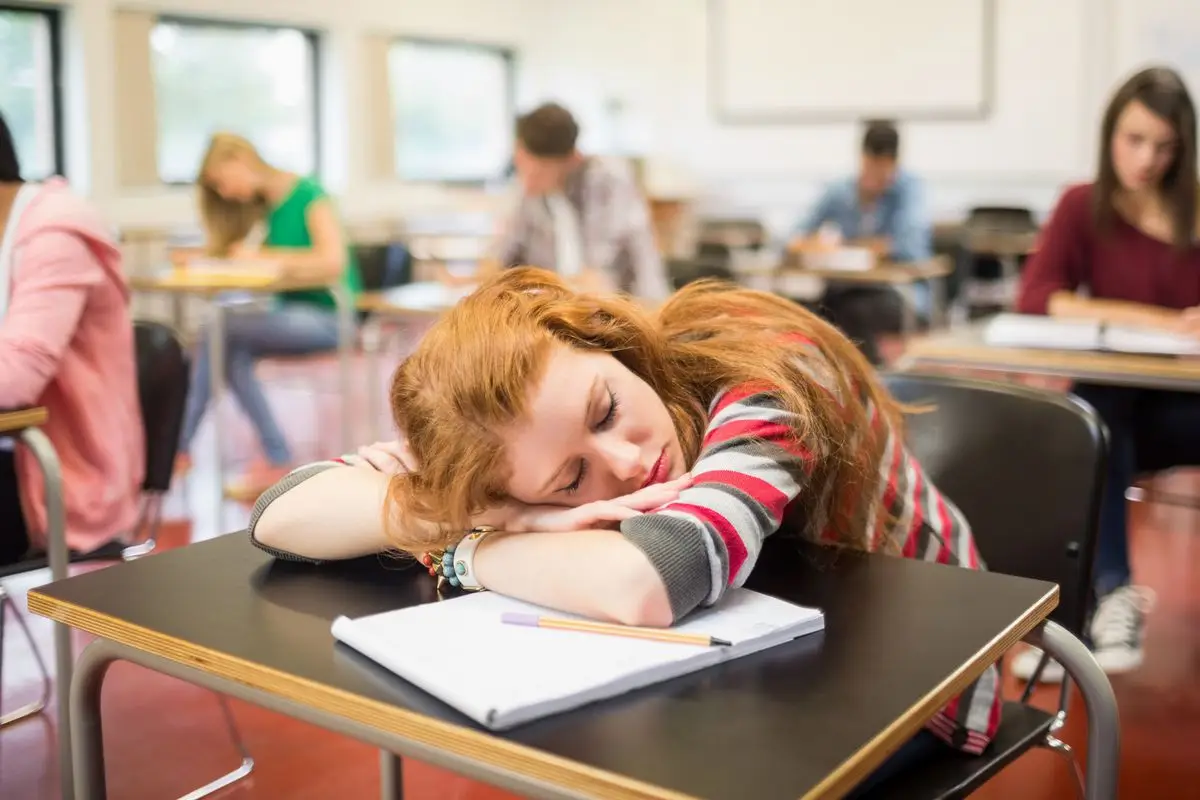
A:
[502, 675]
[1019, 330]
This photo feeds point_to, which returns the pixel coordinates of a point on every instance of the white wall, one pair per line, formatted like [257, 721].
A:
[1054, 69]
[1056, 63]
[91, 88]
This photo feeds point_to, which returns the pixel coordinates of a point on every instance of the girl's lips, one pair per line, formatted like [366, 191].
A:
[658, 472]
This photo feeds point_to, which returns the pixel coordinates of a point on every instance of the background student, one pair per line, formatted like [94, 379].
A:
[238, 191]
[881, 208]
[581, 216]
[66, 343]
[1130, 239]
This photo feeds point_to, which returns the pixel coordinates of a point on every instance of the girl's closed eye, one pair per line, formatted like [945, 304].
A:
[610, 416]
[574, 486]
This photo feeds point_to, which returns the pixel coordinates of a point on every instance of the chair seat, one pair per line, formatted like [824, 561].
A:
[955, 775]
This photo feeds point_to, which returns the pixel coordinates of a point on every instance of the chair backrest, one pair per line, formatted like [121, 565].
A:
[684, 271]
[1025, 466]
[1007, 218]
[383, 266]
[163, 373]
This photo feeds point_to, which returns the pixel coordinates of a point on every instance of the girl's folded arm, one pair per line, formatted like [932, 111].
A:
[325, 511]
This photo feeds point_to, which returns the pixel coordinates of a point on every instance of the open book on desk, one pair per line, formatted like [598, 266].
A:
[1019, 330]
[502, 675]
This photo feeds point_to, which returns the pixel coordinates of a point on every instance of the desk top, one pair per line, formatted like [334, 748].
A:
[885, 272]
[807, 719]
[209, 282]
[965, 348]
[17, 419]
[420, 298]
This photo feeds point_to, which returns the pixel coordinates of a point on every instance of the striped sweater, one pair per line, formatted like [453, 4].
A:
[751, 477]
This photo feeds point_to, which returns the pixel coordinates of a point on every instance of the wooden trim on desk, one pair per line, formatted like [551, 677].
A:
[19, 419]
[433, 733]
[1084, 364]
[855, 770]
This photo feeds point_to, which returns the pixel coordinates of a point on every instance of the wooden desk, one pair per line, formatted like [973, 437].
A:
[210, 284]
[808, 719]
[904, 277]
[965, 348]
[24, 424]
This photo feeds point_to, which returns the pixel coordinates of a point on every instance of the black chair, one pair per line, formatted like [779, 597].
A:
[1026, 467]
[383, 266]
[164, 373]
[681, 272]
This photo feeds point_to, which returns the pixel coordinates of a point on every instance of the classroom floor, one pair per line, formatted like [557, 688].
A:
[165, 738]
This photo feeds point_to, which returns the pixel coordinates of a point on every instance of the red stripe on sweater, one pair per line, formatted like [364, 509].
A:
[946, 552]
[910, 539]
[724, 528]
[777, 433]
[760, 491]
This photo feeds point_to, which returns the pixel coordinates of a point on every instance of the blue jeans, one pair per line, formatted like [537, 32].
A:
[912, 754]
[1149, 431]
[292, 330]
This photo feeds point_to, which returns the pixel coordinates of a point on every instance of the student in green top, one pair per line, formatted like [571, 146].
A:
[239, 192]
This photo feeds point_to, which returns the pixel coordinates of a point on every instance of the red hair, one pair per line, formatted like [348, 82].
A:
[471, 375]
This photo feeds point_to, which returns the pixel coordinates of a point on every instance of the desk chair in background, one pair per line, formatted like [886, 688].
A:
[163, 374]
[1026, 467]
[995, 241]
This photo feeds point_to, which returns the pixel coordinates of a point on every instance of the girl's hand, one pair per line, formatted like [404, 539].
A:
[600, 514]
[390, 458]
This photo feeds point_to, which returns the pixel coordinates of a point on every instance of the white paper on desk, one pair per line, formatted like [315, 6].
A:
[1019, 330]
[503, 675]
[426, 295]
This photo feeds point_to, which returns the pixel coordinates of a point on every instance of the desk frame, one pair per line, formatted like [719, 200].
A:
[23, 425]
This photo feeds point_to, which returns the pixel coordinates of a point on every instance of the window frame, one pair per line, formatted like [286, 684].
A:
[508, 55]
[53, 17]
[312, 38]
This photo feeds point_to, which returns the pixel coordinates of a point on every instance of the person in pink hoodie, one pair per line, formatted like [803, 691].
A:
[66, 343]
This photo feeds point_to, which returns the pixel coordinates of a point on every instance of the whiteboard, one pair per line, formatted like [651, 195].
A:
[787, 61]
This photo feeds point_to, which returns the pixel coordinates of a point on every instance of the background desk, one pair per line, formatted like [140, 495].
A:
[808, 719]
[24, 424]
[209, 285]
[965, 348]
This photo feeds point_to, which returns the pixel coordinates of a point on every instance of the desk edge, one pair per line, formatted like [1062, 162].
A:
[856, 769]
[21, 418]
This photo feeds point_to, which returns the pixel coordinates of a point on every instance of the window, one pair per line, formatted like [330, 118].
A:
[256, 81]
[29, 88]
[452, 110]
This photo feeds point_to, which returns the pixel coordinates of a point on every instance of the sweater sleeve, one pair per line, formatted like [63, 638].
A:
[750, 468]
[1059, 262]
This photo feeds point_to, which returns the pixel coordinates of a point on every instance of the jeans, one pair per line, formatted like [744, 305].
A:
[916, 751]
[1149, 431]
[250, 335]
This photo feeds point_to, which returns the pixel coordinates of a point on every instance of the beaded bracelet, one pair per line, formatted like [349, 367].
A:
[454, 565]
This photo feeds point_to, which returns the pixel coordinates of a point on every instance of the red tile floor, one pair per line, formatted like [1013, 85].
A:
[165, 738]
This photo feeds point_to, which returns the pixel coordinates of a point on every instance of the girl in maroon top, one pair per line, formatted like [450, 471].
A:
[1124, 250]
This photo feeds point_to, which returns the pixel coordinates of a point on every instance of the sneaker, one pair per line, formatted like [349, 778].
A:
[1118, 628]
[1026, 662]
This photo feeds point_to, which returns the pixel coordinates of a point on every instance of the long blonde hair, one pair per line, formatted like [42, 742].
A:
[227, 222]
[470, 376]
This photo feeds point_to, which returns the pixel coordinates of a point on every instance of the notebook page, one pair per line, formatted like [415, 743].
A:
[498, 674]
[1127, 339]
[1027, 330]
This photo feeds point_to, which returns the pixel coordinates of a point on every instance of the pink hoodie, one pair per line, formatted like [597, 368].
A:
[66, 343]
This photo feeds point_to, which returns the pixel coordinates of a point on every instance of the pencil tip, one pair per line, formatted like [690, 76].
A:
[721, 642]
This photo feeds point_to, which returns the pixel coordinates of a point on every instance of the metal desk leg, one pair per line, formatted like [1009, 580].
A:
[216, 381]
[345, 319]
[373, 339]
[391, 776]
[56, 545]
[1104, 732]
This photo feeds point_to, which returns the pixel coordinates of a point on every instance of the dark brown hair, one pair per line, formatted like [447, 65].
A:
[549, 131]
[881, 139]
[1163, 92]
